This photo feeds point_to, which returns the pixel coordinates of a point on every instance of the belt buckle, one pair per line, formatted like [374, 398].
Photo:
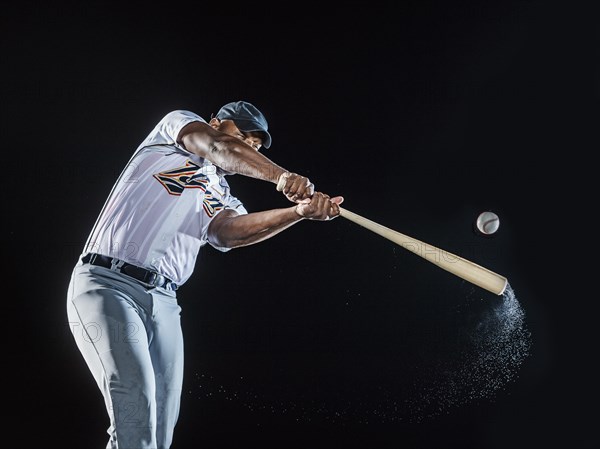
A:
[116, 264]
[156, 279]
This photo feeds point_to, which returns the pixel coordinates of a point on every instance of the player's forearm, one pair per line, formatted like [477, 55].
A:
[244, 230]
[237, 157]
[231, 154]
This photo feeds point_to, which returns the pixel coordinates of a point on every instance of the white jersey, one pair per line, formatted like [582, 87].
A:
[158, 211]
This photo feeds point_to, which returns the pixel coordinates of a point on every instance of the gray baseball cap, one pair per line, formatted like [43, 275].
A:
[247, 118]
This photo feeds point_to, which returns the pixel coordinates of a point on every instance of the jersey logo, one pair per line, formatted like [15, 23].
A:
[178, 179]
[211, 205]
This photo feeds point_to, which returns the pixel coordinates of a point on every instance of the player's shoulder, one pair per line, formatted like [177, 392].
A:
[168, 128]
[179, 114]
[173, 121]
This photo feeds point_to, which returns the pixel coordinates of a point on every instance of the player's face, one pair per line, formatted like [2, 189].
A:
[251, 138]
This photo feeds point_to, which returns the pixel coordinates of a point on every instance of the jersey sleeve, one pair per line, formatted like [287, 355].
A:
[234, 204]
[167, 130]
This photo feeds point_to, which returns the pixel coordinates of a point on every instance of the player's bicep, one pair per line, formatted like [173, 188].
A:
[218, 229]
[196, 137]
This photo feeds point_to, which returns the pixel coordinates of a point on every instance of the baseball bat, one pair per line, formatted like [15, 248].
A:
[463, 268]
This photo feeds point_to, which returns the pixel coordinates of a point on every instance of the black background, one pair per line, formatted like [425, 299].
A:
[421, 116]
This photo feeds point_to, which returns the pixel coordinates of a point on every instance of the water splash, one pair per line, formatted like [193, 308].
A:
[498, 345]
[484, 360]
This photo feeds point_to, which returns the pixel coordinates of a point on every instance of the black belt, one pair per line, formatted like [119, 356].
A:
[141, 274]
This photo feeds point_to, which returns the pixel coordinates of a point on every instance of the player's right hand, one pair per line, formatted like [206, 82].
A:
[320, 207]
[295, 187]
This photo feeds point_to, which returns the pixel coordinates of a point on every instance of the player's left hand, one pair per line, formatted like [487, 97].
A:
[320, 207]
[295, 187]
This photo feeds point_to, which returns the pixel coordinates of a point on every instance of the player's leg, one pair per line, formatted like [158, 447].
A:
[109, 329]
[166, 350]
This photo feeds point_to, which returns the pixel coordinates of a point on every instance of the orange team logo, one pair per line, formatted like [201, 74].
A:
[186, 177]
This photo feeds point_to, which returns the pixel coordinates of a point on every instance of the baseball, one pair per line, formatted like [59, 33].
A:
[488, 222]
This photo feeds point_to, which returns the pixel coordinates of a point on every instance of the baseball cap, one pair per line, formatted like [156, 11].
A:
[247, 118]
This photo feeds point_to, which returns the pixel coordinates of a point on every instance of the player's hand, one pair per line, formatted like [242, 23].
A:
[320, 207]
[295, 187]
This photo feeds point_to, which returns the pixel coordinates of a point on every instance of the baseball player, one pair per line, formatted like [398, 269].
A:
[170, 200]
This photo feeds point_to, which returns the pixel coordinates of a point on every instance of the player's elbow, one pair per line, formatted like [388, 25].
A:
[197, 138]
[220, 235]
[196, 145]
[220, 242]
[221, 153]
